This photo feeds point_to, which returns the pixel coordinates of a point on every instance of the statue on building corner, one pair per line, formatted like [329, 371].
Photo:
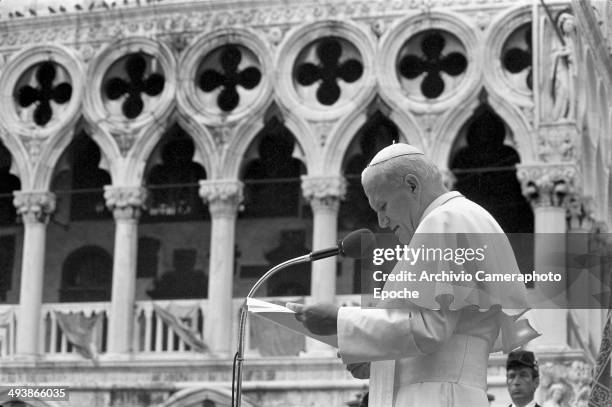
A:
[563, 70]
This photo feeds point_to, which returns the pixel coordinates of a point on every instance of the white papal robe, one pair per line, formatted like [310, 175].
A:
[425, 354]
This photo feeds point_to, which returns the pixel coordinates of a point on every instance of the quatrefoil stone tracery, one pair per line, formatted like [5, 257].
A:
[517, 55]
[328, 70]
[138, 82]
[228, 76]
[43, 93]
[430, 62]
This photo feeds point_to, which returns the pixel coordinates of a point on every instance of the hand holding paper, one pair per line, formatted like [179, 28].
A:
[288, 318]
[320, 318]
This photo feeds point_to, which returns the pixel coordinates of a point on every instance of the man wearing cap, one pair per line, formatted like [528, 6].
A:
[432, 350]
[522, 378]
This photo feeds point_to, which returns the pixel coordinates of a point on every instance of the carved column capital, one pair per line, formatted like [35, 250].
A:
[125, 202]
[580, 213]
[223, 196]
[34, 206]
[558, 142]
[324, 192]
[548, 184]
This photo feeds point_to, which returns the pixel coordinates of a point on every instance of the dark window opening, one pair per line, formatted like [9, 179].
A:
[296, 280]
[173, 184]
[485, 173]
[87, 275]
[183, 281]
[88, 181]
[8, 184]
[376, 134]
[272, 181]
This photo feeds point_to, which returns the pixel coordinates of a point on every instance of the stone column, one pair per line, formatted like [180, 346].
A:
[126, 204]
[324, 194]
[548, 187]
[35, 208]
[224, 198]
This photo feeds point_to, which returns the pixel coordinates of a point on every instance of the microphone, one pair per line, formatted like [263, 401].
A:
[354, 245]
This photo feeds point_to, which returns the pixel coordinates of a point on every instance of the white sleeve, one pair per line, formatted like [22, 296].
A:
[388, 334]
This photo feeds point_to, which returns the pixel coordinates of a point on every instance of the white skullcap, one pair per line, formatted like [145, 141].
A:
[393, 151]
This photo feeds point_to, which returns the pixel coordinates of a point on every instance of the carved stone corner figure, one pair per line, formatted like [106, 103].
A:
[563, 70]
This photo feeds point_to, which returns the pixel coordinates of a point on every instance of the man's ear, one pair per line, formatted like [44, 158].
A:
[413, 183]
[537, 381]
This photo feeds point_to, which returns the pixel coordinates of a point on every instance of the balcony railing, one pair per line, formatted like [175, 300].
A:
[8, 334]
[154, 336]
[53, 338]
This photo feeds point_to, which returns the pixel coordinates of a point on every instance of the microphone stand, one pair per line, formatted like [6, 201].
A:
[346, 247]
[239, 357]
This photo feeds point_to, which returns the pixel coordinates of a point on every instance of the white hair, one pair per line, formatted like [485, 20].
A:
[395, 170]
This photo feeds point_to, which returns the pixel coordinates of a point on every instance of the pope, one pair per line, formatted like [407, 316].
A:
[433, 350]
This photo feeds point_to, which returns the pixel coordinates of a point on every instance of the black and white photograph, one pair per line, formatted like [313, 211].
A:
[305, 203]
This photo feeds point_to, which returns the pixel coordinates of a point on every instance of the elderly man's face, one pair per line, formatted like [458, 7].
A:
[521, 384]
[397, 206]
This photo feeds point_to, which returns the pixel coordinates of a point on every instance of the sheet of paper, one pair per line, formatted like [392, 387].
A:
[285, 317]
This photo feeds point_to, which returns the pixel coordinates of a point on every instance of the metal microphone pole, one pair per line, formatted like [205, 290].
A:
[239, 358]
[349, 246]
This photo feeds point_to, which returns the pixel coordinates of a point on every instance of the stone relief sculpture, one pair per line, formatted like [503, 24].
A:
[559, 395]
[563, 70]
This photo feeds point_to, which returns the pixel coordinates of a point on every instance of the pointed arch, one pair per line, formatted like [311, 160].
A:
[484, 169]
[172, 175]
[348, 127]
[248, 131]
[53, 150]
[205, 149]
[452, 123]
[20, 163]
[111, 160]
[146, 142]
